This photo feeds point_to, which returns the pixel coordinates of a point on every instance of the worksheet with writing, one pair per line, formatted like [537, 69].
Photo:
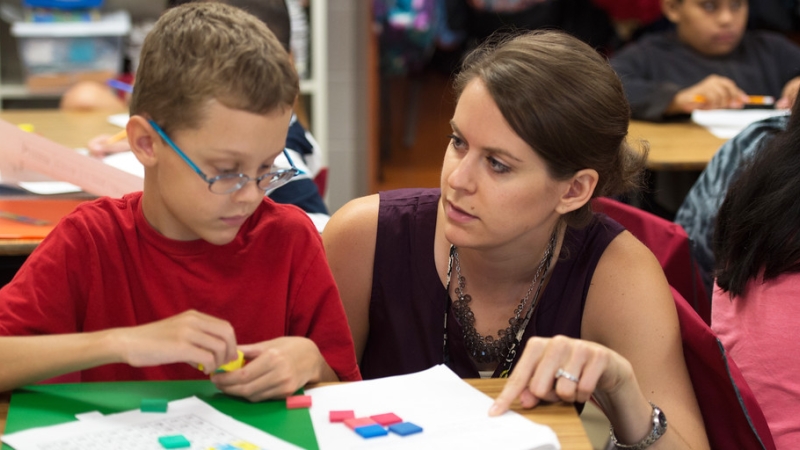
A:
[202, 425]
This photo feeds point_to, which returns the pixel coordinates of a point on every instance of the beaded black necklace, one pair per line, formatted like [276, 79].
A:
[487, 349]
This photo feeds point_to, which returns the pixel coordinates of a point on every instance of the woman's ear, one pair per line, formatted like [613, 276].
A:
[578, 191]
[141, 137]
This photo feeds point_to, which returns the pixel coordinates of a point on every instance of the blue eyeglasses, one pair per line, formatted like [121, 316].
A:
[229, 183]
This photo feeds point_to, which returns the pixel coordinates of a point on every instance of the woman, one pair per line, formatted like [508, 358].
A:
[757, 254]
[430, 276]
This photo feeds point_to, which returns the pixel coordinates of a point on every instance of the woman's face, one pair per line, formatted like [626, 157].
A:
[496, 190]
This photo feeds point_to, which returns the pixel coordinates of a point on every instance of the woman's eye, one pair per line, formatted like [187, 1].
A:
[497, 166]
[456, 141]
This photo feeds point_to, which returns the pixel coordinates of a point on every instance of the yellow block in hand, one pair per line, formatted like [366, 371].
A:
[229, 366]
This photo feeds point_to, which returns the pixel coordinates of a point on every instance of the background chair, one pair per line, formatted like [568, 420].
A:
[669, 243]
[733, 418]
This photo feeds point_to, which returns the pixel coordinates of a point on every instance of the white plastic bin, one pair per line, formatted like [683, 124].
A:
[55, 55]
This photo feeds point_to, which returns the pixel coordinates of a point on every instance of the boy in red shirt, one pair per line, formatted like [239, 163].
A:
[200, 264]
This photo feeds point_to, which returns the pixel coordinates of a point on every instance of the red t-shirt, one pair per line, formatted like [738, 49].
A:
[104, 267]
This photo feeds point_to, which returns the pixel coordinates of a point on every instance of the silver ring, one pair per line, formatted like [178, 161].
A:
[561, 373]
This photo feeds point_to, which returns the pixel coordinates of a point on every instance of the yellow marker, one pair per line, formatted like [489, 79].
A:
[229, 366]
[26, 127]
[117, 137]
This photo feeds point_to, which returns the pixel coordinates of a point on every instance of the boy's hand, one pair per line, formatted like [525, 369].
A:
[275, 369]
[102, 146]
[714, 92]
[191, 337]
[789, 94]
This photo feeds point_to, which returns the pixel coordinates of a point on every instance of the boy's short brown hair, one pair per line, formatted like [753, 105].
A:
[206, 51]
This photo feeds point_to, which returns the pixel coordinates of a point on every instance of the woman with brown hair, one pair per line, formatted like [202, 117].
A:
[431, 276]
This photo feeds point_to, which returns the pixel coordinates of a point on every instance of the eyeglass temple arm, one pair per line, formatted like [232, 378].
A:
[289, 158]
[177, 150]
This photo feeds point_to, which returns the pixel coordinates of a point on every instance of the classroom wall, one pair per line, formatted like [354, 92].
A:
[348, 37]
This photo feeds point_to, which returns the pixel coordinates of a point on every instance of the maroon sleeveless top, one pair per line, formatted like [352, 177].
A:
[408, 303]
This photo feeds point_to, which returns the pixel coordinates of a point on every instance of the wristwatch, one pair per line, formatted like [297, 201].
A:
[659, 428]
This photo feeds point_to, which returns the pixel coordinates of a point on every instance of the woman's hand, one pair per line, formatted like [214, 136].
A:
[563, 369]
[276, 369]
[105, 145]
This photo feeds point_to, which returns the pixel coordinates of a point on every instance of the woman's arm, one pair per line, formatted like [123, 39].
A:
[630, 310]
[630, 354]
[349, 240]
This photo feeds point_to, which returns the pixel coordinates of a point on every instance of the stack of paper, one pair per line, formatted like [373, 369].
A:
[727, 123]
[452, 414]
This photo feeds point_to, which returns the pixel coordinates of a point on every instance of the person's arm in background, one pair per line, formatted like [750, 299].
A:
[649, 98]
[662, 78]
[785, 62]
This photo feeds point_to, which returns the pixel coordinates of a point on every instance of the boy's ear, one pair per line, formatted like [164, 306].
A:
[141, 137]
[579, 190]
[671, 9]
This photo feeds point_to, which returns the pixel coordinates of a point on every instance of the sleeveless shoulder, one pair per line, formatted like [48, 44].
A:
[408, 299]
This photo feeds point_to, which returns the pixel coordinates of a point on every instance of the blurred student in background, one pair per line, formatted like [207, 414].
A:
[707, 62]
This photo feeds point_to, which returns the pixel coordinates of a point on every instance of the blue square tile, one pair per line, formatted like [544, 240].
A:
[405, 428]
[371, 431]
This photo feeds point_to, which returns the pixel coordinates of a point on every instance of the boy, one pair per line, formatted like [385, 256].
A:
[301, 191]
[708, 62]
[199, 261]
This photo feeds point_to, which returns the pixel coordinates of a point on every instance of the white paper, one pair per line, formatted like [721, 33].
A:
[452, 414]
[200, 423]
[127, 162]
[49, 187]
[120, 120]
[22, 153]
[727, 123]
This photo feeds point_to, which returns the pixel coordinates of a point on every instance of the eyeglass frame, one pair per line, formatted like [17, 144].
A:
[242, 176]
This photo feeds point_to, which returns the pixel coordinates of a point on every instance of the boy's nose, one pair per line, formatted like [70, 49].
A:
[725, 15]
[250, 192]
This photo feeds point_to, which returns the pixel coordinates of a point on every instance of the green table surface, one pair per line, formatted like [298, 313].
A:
[50, 404]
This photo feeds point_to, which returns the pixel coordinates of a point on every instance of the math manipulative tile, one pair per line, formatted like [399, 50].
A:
[154, 405]
[244, 445]
[405, 428]
[359, 422]
[174, 441]
[371, 431]
[386, 419]
[341, 416]
[298, 401]
[237, 363]
[233, 365]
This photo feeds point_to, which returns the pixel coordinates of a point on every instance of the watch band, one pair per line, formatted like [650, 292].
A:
[659, 428]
